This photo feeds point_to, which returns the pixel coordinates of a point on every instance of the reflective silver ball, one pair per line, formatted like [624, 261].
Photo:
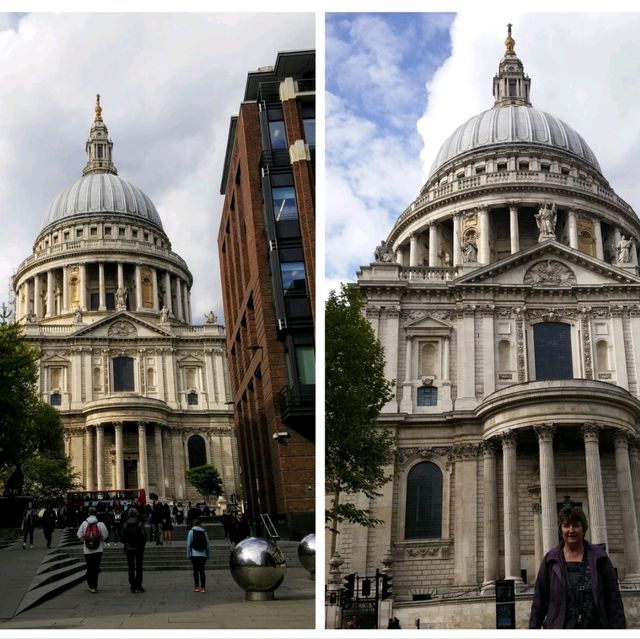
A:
[307, 553]
[257, 566]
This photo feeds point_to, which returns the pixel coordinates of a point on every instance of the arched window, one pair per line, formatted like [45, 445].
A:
[423, 517]
[552, 346]
[122, 374]
[197, 451]
[504, 355]
[602, 355]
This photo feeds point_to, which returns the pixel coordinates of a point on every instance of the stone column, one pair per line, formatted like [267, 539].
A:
[142, 457]
[597, 229]
[622, 379]
[83, 289]
[634, 458]
[154, 282]
[50, 307]
[100, 456]
[598, 521]
[119, 478]
[65, 289]
[433, 245]
[28, 308]
[89, 452]
[167, 292]
[390, 343]
[187, 304]
[466, 399]
[514, 228]
[400, 256]
[628, 509]
[407, 401]
[537, 537]
[157, 434]
[178, 309]
[547, 487]
[488, 351]
[510, 505]
[37, 297]
[102, 294]
[490, 515]
[120, 275]
[484, 256]
[413, 249]
[138, 277]
[457, 240]
[573, 230]
[178, 464]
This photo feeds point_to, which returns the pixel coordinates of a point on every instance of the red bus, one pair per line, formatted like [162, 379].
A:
[81, 500]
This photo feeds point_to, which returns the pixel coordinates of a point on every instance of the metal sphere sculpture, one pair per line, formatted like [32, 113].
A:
[307, 553]
[258, 567]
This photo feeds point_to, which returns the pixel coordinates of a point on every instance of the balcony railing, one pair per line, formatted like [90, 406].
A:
[297, 401]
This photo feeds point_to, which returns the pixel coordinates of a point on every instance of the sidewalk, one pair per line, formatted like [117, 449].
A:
[168, 601]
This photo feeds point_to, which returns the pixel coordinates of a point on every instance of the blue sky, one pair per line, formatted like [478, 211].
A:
[399, 84]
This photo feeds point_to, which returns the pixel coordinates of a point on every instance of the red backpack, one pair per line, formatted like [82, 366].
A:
[92, 536]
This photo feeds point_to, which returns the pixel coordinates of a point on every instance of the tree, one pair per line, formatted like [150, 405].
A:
[206, 480]
[357, 448]
[48, 477]
[28, 426]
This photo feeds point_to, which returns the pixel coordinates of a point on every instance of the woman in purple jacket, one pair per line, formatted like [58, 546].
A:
[577, 586]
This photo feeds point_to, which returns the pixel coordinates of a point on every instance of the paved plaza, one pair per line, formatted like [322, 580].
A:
[168, 601]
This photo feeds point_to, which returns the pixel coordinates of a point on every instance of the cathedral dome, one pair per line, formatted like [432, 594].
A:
[98, 193]
[513, 124]
[101, 190]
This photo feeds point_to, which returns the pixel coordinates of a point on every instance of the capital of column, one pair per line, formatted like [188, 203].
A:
[591, 431]
[99, 428]
[545, 432]
[509, 439]
[488, 448]
[621, 439]
[118, 425]
[142, 425]
[536, 508]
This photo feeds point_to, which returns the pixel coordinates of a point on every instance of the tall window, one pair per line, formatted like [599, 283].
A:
[552, 345]
[423, 517]
[197, 451]
[293, 278]
[305, 360]
[309, 125]
[284, 203]
[427, 396]
[278, 136]
[428, 359]
[122, 374]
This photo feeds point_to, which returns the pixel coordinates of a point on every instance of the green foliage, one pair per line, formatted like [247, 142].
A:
[48, 477]
[357, 448]
[206, 480]
[29, 428]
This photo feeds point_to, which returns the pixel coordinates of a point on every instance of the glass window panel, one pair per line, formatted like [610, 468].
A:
[284, 203]
[423, 517]
[552, 342]
[293, 278]
[278, 136]
[427, 396]
[306, 361]
[310, 131]
[122, 374]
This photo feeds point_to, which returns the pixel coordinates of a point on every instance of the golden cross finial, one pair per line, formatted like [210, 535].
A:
[98, 109]
[509, 42]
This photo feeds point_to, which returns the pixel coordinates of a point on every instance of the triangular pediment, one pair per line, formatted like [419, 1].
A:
[53, 358]
[190, 359]
[549, 265]
[425, 321]
[121, 325]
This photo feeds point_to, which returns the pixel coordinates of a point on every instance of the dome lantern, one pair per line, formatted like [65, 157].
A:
[99, 147]
[511, 85]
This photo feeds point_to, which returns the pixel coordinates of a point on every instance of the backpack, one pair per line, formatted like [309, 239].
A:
[134, 535]
[199, 540]
[92, 536]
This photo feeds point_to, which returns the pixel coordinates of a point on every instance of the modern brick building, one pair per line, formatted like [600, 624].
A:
[266, 245]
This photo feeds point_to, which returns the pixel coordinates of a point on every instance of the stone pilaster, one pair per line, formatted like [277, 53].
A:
[514, 228]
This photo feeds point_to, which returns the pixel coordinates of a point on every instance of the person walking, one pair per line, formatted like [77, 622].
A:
[134, 537]
[577, 586]
[241, 528]
[48, 523]
[167, 524]
[157, 515]
[29, 520]
[198, 553]
[93, 533]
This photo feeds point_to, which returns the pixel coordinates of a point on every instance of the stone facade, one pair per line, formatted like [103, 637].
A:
[142, 392]
[510, 318]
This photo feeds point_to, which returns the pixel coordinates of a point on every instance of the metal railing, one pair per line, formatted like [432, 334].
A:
[269, 528]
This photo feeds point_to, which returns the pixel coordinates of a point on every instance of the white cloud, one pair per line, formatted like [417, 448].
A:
[169, 85]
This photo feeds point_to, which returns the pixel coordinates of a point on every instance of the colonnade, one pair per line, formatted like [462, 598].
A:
[48, 293]
[436, 246]
[545, 513]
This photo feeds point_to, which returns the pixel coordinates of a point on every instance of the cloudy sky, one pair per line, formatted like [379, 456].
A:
[399, 84]
[169, 84]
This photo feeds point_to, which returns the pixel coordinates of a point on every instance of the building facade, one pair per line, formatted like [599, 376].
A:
[266, 244]
[506, 297]
[142, 392]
